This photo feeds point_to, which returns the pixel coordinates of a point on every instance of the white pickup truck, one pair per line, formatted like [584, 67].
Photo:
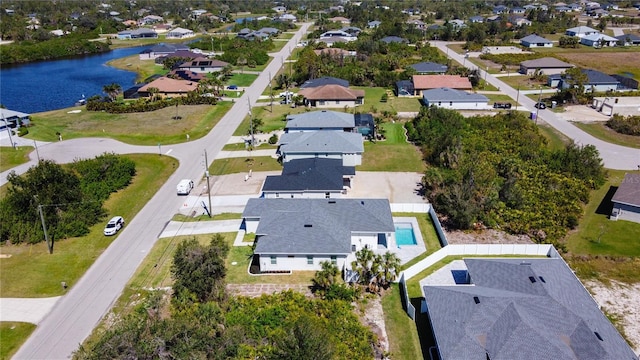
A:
[185, 186]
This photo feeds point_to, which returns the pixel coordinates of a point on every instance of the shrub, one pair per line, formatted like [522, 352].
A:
[22, 131]
[629, 125]
[273, 139]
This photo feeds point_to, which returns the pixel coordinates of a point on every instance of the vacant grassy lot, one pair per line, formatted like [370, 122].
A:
[601, 131]
[271, 120]
[10, 157]
[147, 128]
[556, 140]
[523, 82]
[609, 62]
[372, 103]
[144, 68]
[32, 272]
[12, 335]
[240, 165]
[392, 154]
[242, 80]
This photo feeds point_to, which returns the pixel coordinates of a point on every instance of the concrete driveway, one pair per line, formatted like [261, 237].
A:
[398, 187]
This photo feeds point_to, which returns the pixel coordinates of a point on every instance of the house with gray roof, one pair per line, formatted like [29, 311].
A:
[598, 40]
[394, 39]
[454, 99]
[13, 119]
[546, 65]
[298, 234]
[309, 178]
[626, 200]
[519, 309]
[628, 39]
[373, 24]
[581, 31]
[345, 146]
[535, 40]
[325, 80]
[324, 120]
[429, 67]
[141, 33]
[476, 19]
[160, 50]
[597, 81]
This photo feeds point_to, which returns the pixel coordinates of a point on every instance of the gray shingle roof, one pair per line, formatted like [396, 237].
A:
[625, 37]
[521, 309]
[321, 119]
[429, 67]
[447, 94]
[315, 226]
[535, 39]
[596, 77]
[547, 62]
[321, 142]
[315, 174]
[629, 190]
[326, 80]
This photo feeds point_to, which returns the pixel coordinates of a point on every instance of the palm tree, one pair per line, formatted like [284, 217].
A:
[363, 265]
[327, 276]
[112, 90]
[389, 269]
[153, 91]
[241, 61]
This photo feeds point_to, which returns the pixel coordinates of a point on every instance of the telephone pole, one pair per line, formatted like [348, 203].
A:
[206, 173]
[250, 123]
[270, 91]
[44, 226]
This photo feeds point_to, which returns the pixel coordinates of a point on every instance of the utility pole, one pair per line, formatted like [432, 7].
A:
[518, 97]
[37, 152]
[206, 173]
[44, 227]
[250, 123]
[538, 104]
[270, 92]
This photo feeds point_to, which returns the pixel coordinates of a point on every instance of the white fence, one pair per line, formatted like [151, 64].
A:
[409, 308]
[482, 250]
[410, 208]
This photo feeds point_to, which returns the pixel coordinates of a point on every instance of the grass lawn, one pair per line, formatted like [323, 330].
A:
[556, 140]
[596, 234]
[10, 157]
[498, 97]
[609, 62]
[393, 154]
[601, 131]
[12, 335]
[146, 128]
[404, 343]
[271, 120]
[240, 165]
[372, 103]
[237, 147]
[242, 80]
[222, 216]
[144, 68]
[32, 272]
[523, 82]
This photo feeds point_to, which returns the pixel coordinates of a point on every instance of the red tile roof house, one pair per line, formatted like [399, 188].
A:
[427, 82]
[168, 87]
[332, 96]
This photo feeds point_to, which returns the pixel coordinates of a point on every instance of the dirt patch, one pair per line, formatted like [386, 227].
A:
[373, 318]
[620, 301]
[607, 62]
[488, 236]
[582, 113]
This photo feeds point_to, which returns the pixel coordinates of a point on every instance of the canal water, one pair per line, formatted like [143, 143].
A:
[56, 84]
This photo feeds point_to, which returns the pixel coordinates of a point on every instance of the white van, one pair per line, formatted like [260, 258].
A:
[184, 186]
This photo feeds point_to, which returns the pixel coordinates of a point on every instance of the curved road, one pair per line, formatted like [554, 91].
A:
[77, 313]
[613, 156]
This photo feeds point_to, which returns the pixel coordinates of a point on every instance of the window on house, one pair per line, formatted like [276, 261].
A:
[274, 260]
[309, 260]
[327, 195]
[450, 103]
[334, 259]
[337, 102]
[277, 195]
[439, 103]
[353, 248]
[321, 102]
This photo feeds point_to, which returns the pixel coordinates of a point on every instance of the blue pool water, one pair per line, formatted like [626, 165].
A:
[405, 236]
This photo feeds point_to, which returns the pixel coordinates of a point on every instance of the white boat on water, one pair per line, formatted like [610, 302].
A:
[82, 101]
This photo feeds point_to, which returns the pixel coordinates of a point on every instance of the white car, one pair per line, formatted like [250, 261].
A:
[114, 225]
[184, 186]
[286, 93]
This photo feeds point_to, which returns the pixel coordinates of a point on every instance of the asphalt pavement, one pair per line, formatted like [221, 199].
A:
[613, 156]
[76, 314]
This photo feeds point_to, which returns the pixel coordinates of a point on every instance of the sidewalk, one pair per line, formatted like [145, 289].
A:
[178, 228]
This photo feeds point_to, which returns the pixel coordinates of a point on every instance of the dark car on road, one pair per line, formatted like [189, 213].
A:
[502, 105]
[232, 87]
[540, 106]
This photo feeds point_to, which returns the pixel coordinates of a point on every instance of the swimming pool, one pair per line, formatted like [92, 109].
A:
[405, 235]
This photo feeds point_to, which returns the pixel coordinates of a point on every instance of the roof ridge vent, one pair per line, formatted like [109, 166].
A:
[332, 201]
[308, 225]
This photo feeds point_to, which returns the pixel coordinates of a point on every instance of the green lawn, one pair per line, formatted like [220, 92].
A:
[498, 97]
[271, 120]
[222, 216]
[601, 131]
[394, 154]
[242, 146]
[10, 157]
[12, 336]
[584, 48]
[146, 128]
[242, 80]
[404, 343]
[144, 68]
[596, 234]
[523, 82]
[240, 165]
[556, 140]
[32, 272]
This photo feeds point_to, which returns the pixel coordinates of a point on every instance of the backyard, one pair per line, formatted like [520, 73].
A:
[147, 128]
[144, 68]
[394, 154]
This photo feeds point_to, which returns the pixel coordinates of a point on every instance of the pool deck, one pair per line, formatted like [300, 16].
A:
[407, 252]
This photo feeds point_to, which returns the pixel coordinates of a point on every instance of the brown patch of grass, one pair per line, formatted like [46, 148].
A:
[607, 62]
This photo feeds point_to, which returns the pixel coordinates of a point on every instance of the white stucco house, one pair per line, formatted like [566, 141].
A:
[180, 33]
[298, 234]
[598, 40]
[346, 146]
[534, 40]
[454, 99]
[581, 31]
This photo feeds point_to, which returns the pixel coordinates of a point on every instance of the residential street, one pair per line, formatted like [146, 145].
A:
[613, 156]
[77, 313]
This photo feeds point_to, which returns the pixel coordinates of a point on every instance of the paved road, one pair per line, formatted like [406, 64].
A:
[77, 313]
[613, 156]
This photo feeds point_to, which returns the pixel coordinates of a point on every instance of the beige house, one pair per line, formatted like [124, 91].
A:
[332, 96]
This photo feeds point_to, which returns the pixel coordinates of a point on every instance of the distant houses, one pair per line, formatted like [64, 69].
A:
[547, 65]
[180, 33]
[167, 87]
[598, 40]
[581, 31]
[142, 33]
[534, 40]
[454, 99]
[160, 50]
[332, 96]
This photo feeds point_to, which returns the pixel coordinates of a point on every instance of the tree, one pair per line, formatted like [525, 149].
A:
[367, 266]
[389, 269]
[199, 270]
[154, 92]
[327, 276]
[307, 339]
[112, 90]
[241, 61]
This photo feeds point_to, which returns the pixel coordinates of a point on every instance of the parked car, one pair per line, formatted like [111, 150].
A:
[232, 87]
[285, 101]
[540, 106]
[286, 93]
[114, 225]
[501, 105]
[184, 186]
